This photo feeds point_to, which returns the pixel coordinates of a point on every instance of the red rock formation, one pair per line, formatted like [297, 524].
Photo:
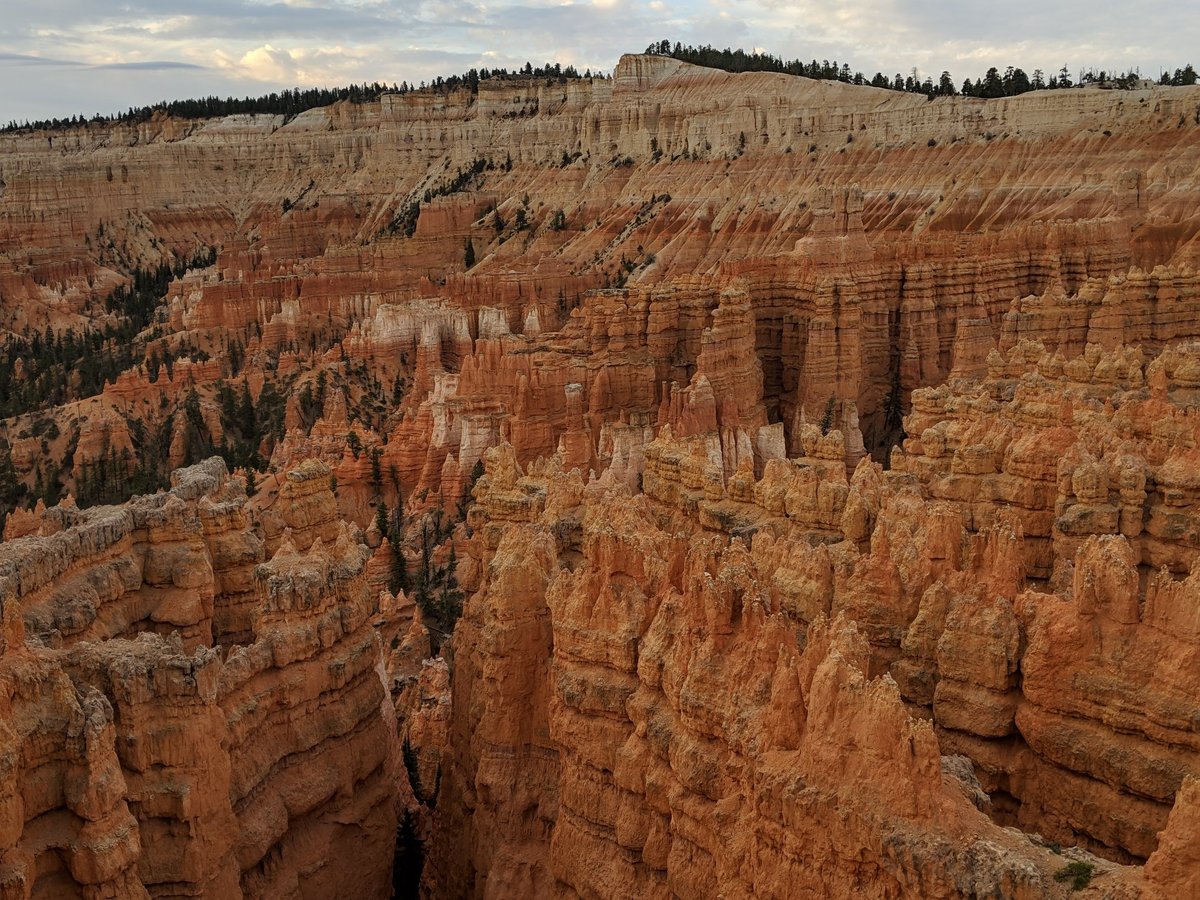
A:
[710, 646]
[928, 258]
[171, 766]
[1026, 684]
[683, 741]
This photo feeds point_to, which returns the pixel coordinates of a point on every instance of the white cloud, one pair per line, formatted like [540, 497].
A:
[171, 23]
[267, 63]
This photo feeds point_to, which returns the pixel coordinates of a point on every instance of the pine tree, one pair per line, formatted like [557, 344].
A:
[993, 84]
[53, 487]
[893, 405]
[398, 580]
[469, 254]
[376, 470]
[410, 858]
[410, 763]
[827, 417]
[12, 491]
[246, 418]
[228, 405]
[199, 442]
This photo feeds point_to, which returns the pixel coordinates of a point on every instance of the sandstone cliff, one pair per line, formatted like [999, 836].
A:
[645, 708]
[176, 765]
[876, 239]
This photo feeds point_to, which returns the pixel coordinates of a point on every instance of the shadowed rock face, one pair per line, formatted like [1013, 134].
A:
[140, 763]
[720, 638]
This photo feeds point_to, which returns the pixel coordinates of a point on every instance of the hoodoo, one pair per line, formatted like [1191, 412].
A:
[678, 483]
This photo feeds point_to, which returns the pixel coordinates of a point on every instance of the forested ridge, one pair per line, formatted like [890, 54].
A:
[292, 102]
[994, 83]
[1008, 82]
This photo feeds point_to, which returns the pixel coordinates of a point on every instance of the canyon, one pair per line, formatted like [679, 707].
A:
[672, 484]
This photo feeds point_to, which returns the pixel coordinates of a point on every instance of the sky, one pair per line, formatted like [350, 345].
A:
[61, 57]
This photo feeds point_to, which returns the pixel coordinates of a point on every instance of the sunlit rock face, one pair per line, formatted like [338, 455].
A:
[700, 689]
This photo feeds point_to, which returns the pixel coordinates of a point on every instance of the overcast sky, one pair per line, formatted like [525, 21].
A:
[60, 57]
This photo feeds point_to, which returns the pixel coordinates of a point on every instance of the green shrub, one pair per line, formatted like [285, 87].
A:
[1078, 873]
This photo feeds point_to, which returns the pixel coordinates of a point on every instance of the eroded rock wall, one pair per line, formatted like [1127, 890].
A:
[880, 240]
[680, 730]
[171, 765]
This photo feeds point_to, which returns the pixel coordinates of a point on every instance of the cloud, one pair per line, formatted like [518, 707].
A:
[150, 65]
[24, 59]
[265, 63]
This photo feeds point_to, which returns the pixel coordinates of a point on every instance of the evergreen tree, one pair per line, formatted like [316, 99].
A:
[464, 503]
[12, 491]
[410, 764]
[469, 254]
[398, 578]
[198, 442]
[376, 470]
[893, 408]
[1016, 82]
[827, 416]
[409, 859]
[270, 413]
[993, 84]
[247, 420]
[53, 489]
